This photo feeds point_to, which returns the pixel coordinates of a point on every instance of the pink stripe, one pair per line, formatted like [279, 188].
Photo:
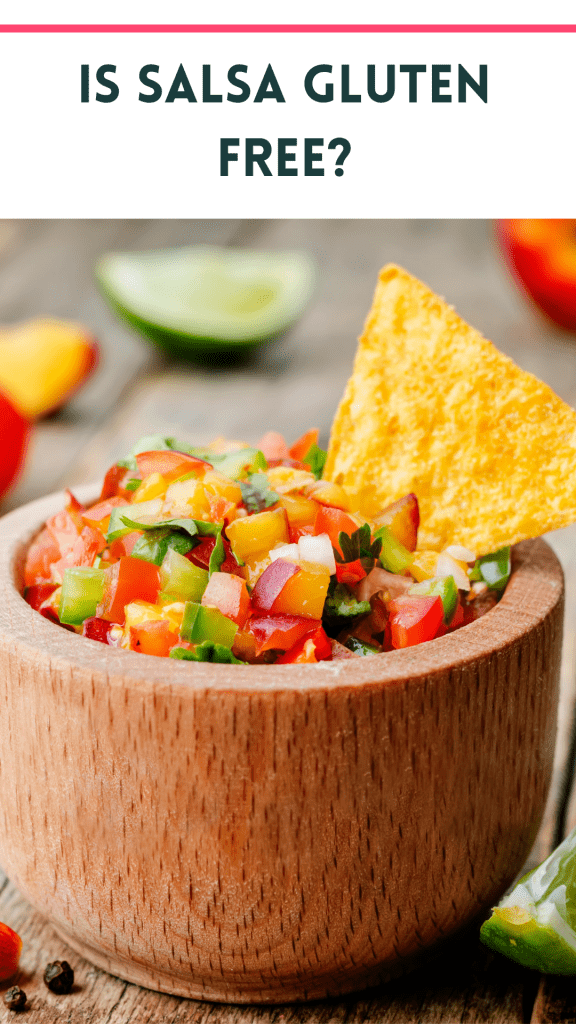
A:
[286, 28]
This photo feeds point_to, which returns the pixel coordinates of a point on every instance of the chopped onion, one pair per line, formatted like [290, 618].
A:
[460, 553]
[448, 566]
[317, 549]
[288, 551]
[381, 579]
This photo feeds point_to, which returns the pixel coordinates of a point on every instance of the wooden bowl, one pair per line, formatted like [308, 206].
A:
[272, 833]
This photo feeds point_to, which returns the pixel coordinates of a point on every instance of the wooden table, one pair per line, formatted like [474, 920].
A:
[45, 268]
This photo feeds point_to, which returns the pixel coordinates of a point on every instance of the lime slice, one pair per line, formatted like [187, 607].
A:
[535, 924]
[205, 299]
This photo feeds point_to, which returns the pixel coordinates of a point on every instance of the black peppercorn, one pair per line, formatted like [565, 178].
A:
[15, 998]
[59, 977]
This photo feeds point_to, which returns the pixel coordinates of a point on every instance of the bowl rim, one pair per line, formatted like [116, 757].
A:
[535, 588]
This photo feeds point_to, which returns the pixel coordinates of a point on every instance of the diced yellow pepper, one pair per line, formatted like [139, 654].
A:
[304, 594]
[138, 612]
[255, 534]
[253, 568]
[222, 487]
[285, 480]
[331, 494]
[153, 486]
[301, 511]
[424, 565]
[187, 498]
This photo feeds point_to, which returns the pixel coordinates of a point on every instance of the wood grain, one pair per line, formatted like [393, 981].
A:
[260, 833]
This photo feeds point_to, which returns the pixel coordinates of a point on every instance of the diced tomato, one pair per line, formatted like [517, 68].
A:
[300, 531]
[129, 579]
[169, 464]
[37, 593]
[64, 531]
[302, 446]
[229, 595]
[273, 446]
[219, 507]
[42, 552]
[97, 629]
[414, 620]
[271, 583]
[123, 545]
[114, 481]
[289, 463]
[83, 552]
[334, 521]
[99, 515]
[155, 637]
[200, 555]
[75, 509]
[278, 632]
[350, 572]
[312, 648]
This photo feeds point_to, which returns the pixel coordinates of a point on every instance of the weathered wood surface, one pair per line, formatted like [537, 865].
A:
[45, 267]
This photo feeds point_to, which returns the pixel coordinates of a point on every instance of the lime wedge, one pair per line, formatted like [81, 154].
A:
[536, 923]
[206, 299]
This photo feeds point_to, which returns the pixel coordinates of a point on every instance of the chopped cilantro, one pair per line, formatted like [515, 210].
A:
[217, 555]
[152, 547]
[190, 526]
[256, 493]
[359, 546]
[316, 458]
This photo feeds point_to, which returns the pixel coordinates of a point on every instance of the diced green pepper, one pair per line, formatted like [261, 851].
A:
[241, 463]
[181, 578]
[217, 555]
[359, 647]
[440, 586]
[152, 547]
[393, 555]
[493, 569]
[207, 651]
[144, 509]
[201, 623]
[316, 458]
[82, 591]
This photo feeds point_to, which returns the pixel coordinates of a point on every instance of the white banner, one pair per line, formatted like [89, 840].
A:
[258, 123]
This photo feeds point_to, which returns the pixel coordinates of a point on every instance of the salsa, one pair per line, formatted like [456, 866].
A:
[236, 554]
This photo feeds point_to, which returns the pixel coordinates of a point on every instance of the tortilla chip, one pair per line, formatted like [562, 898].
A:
[434, 408]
